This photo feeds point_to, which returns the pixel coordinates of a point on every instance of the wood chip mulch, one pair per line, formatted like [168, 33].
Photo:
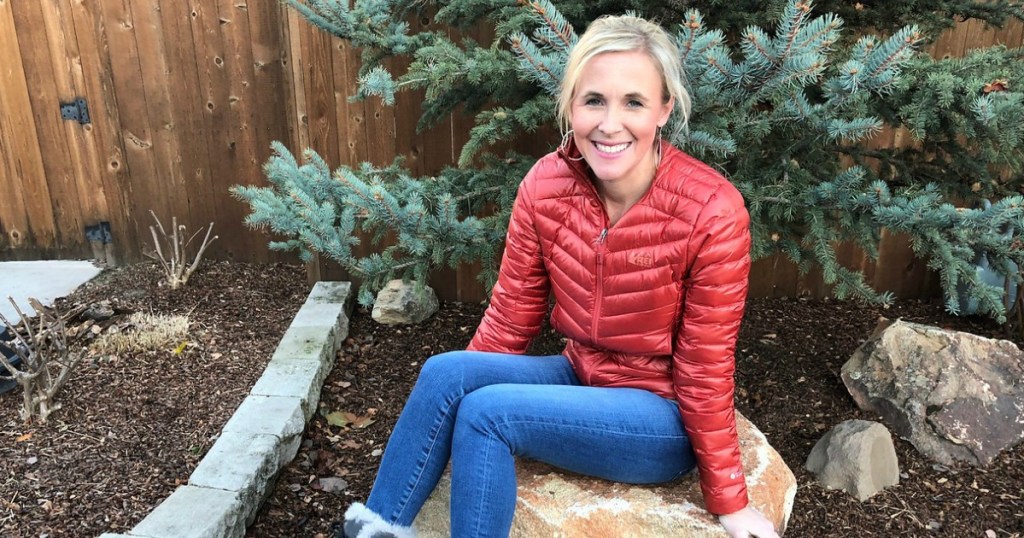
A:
[789, 355]
[133, 428]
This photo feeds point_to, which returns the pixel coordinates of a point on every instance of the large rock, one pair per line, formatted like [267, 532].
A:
[402, 303]
[553, 503]
[953, 395]
[858, 457]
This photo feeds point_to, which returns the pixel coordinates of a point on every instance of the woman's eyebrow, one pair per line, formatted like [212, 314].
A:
[631, 95]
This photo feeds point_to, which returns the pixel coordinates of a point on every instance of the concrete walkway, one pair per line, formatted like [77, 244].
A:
[44, 280]
[228, 486]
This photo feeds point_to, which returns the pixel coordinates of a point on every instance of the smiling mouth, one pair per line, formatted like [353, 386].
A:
[618, 148]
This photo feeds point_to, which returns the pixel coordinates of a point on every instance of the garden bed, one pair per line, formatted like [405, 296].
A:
[134, 428]
[789, 355]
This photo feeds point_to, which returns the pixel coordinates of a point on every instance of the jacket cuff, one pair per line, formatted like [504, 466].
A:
[728, 499]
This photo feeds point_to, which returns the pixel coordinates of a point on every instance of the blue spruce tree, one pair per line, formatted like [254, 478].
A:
[783, 105]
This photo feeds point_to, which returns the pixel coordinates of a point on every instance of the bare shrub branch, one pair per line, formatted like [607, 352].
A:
[177, 270]
[47, 361]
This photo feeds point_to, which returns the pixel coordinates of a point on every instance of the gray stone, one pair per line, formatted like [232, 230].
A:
[243, 463]
[856, 456]
[309, 343]
[293, 378]
[324, 292]
[555, 503]
[109, 535]
[402, 303]
[318, 315]
[193, 512]
[954, 395]
[271, 415]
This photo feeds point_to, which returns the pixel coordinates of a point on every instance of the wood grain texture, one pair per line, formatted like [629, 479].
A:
[103, 140]
[186, 96]
[186, 106]
[26, 216]
[143, 174]
[49, 84]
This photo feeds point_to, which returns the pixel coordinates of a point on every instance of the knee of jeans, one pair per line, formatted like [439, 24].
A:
[482, 411]
[442, 365]
[444, 372]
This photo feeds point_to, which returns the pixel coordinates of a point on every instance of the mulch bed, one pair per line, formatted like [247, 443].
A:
[134, 426]
[133, 429]
[790, 353]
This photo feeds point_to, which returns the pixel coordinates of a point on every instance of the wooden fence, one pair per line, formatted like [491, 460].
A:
[185, 97]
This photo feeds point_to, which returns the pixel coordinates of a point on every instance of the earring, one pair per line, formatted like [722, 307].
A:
[565, 145]
[657, 147]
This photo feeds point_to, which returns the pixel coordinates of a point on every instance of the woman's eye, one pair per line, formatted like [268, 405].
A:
[593, 101]
[635, 104]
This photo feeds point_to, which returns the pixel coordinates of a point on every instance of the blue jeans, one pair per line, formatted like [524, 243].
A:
[483, 409]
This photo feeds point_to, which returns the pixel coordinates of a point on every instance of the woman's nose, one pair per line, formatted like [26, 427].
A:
[610, 123]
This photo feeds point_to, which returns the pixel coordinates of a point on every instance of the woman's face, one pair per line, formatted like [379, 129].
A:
[615, 112]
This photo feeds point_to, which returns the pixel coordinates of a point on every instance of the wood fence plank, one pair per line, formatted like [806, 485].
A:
[67, 61]
[206, 27]
[350, 115]
[26, 215]
[48, 86]
[271, 70]
[951, 43]
[223, 54]
[165, 192]
[187, 108]
[1014, 34]
[294, 100]
[320, 93]
[298, 123]
[103, 138]
[978, 36]
[146, 173]
[328, 118]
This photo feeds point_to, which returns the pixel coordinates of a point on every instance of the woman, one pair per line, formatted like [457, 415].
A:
[646, 251]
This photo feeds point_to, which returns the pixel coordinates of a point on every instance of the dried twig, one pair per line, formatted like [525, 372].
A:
[46, 360]
[176, 269]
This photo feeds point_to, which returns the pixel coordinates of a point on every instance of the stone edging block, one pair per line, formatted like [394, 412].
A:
[263, 435]
[244, 464]
[192, 511]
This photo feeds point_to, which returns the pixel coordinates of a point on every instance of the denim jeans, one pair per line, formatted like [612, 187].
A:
[483, 409]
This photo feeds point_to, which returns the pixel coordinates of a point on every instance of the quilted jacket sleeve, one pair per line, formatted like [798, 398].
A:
[519, 300]
[703, 358]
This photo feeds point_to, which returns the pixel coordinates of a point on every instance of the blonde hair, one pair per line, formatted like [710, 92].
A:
[626, 33]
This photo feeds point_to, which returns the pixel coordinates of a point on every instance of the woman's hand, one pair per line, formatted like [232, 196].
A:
[748, 523]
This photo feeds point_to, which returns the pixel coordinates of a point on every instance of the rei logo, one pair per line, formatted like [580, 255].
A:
[641, 259]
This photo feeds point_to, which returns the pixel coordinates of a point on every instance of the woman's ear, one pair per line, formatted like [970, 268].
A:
[666, 111]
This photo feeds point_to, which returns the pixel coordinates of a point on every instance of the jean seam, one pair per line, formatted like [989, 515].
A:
[483, 497]
[421, 468]
[600, 430]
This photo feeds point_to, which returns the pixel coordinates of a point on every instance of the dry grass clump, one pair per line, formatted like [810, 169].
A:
[143, 332]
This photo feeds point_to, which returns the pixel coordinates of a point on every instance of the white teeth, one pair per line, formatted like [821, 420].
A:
[611, 149]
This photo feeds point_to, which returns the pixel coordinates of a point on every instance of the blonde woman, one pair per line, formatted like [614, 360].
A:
[646, 251]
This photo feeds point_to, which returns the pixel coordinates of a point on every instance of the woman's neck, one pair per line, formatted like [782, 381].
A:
[619, 196]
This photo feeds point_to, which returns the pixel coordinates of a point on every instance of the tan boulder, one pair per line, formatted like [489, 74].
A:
[554, 503]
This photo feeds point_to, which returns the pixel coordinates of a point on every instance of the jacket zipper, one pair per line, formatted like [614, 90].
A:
[599, 285]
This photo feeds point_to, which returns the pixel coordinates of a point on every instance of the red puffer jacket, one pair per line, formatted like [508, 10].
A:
[653, 302]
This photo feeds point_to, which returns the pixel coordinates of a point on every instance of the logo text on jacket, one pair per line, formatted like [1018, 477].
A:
[641, 259]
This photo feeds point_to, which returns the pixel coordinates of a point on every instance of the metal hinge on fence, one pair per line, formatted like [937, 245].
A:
[77, 110]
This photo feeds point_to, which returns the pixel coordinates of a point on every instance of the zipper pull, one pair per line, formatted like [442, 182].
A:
[600, 238]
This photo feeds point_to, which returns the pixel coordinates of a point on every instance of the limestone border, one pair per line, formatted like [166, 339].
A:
[233, 479]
